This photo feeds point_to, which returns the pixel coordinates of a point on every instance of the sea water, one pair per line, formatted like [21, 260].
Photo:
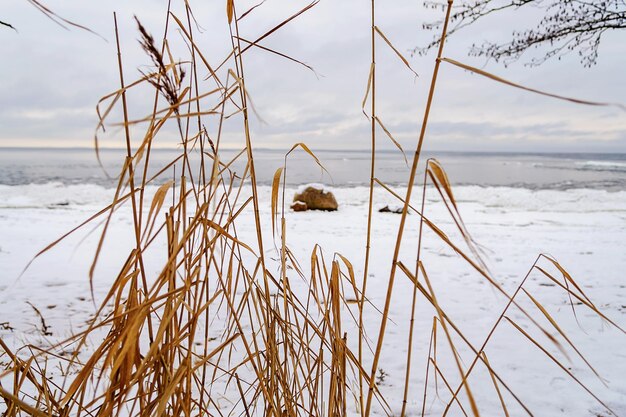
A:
[563, 171]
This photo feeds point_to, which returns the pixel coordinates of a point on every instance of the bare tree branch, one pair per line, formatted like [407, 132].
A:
[567, 26]
[61, 21]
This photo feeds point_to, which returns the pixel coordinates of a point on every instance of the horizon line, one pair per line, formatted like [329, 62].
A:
[390, 150]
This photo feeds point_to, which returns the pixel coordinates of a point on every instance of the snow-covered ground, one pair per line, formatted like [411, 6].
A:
[585, 230]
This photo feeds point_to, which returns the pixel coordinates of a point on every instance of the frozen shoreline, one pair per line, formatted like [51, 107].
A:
[584, 229]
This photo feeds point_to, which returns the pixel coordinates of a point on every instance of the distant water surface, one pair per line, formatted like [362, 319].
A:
[20, 166]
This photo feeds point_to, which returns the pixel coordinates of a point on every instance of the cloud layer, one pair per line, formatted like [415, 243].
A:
[53, 78]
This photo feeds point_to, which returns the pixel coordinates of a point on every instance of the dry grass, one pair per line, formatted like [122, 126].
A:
[273, 352]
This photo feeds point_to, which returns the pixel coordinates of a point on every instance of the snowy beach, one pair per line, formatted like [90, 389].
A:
[313, 209]
[583, 229]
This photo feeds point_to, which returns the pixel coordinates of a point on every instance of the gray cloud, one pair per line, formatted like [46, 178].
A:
[53, 79]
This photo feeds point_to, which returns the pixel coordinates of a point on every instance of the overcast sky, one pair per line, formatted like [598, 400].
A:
[51, 79]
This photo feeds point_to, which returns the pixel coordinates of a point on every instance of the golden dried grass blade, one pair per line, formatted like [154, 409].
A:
[367, 89]
[159, 199]
[532, 90]
[307, 150]
[223, 232]
[495, 384]
[440, 176]
[250, 10]
[564, 335]
[440, 179]
[275, 189]
[390, 136]
[59, 20]
[230, 10]
[568, 278]
[251, 43]
[358, 296]
[402, 58]
[580, 298]
[552, 322]
[242, 87]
